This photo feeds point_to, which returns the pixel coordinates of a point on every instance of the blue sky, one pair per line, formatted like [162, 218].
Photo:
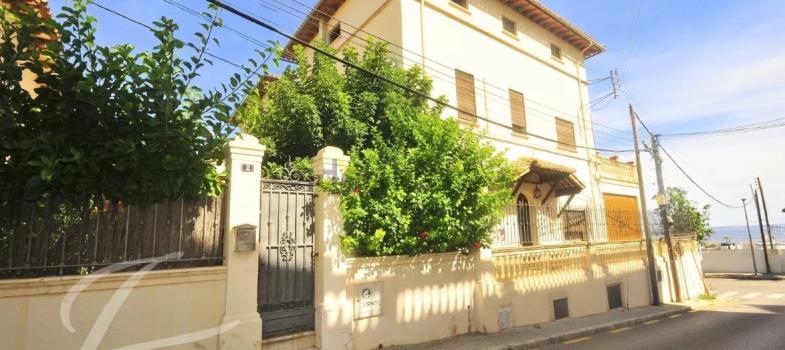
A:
[686, 65]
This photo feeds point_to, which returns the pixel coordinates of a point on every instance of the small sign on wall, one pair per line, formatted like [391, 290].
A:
[367, 300]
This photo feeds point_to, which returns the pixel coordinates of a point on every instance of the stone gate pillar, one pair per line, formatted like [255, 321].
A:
[332, 302]
[241, 326]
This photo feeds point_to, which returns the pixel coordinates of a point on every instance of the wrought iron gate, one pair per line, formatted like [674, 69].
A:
[286, 280]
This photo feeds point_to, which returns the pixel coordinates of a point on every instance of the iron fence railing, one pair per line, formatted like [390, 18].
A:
[525, 225]
[56, 237]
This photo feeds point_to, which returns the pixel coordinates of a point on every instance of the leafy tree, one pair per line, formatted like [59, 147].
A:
[442, 192]
[316, 104]
[416, 183]
[686, 216]
[108, 122]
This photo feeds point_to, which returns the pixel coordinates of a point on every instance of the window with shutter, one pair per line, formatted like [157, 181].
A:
[565, 134]
[517, 111]
[464, 89]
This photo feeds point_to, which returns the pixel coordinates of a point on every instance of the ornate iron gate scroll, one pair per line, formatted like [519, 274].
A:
[286, 279]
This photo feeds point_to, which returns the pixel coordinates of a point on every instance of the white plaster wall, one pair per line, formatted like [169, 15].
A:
[164, 304]
[740, 261]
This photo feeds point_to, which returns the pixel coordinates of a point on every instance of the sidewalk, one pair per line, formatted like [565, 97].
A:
[552, 332]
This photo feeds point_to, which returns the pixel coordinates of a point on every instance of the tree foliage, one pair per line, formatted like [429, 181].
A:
[441, 192]
[316, 104]
[684, 213]
[108, 122]
[416, 183]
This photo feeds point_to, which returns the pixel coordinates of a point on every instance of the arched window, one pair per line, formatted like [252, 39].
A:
[524, 221]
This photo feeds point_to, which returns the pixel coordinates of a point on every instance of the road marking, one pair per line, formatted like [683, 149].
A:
[750, 295]
[651, 322]
[775, 296]
[674, 316]
[576, 340]
[619, 330]
[728, 294]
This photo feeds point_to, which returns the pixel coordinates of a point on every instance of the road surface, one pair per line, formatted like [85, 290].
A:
[755, 319]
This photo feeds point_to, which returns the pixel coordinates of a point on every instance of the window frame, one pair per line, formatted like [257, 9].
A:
[334, 33]
[563, 144]
[521, 128]
[461, 3]
[462, 116]
[514, 30]
[556, 52]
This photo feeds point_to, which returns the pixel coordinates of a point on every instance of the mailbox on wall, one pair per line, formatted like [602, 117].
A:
[245, 238]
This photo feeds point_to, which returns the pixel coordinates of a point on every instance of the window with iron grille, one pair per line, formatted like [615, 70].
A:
[518, 111]
[508, 25]
[565, 134]
[464, 89]
[575, 226]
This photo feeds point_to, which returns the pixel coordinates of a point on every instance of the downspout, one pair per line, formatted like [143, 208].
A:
[422, 33]
[583, 116]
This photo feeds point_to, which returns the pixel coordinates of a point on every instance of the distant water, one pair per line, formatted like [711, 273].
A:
[738, 234]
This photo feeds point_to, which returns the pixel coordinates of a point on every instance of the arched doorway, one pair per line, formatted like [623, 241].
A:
[524, 219]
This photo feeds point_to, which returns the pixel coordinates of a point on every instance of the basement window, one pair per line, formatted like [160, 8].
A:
[508, 25]
[561, 309]
[614, 296]
[555, 52]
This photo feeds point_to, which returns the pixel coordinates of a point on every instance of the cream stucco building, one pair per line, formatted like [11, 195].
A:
[516, 72]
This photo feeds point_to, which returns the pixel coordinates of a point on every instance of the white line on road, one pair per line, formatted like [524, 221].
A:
[750, 295]
[728, 294]
[775, 296]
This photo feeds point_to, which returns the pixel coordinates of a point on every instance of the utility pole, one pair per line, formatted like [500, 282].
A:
[765, 212]
[749, 234]
[663, 207]
[760, 225]
[655, 292]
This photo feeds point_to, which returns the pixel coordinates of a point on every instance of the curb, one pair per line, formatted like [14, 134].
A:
[760, 277]
[538, 342]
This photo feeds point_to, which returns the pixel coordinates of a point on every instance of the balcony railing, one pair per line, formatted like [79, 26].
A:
[531, 225]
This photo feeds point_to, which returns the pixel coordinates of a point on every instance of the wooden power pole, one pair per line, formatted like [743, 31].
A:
[655, 292]
[760, 225]
[749, 234]
[765, 212]
[663, 207]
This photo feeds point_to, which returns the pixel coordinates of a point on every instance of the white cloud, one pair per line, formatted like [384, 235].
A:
[729, 77]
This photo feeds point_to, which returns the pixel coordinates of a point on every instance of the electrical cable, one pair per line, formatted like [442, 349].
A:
[348, 64]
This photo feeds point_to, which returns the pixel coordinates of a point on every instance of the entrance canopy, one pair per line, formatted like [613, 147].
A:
[562, 179]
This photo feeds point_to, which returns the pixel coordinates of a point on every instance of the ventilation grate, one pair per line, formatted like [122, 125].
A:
[614, 296]
[561, 308]
[504, 317]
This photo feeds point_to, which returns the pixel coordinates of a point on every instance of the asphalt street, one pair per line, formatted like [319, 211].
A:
[753, 319]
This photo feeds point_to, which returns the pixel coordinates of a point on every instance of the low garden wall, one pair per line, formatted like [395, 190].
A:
[149, 310]
[740, 261]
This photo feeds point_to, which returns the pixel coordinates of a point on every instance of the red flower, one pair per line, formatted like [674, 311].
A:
[356, 190]
[477, 245]
[424, 235]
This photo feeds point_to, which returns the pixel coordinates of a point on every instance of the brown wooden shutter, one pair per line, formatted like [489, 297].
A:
[622, 217]
[565, 134]
[464, 88]
[517, 111]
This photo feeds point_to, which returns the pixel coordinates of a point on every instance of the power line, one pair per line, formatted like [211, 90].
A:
[132, 20]
[695, 182]
[769, 124]
[273, 29]
[447, 76]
